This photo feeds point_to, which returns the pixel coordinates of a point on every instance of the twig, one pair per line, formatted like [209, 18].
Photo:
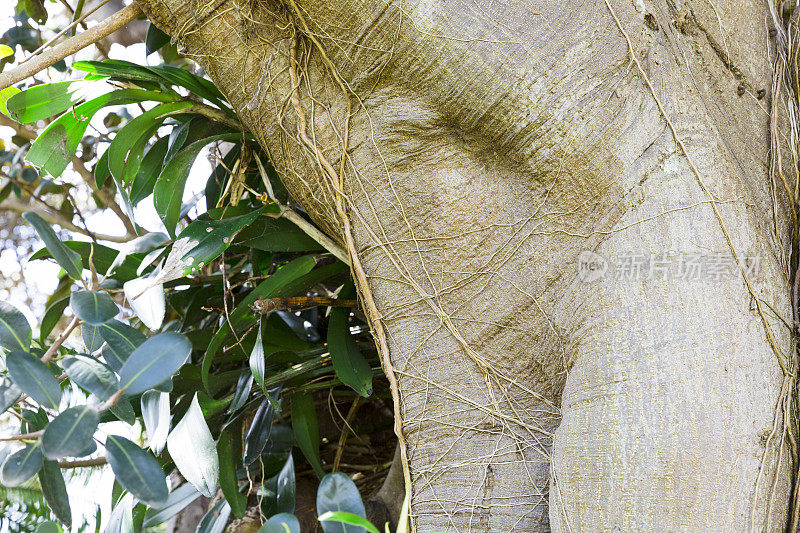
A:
[111, 402]
[70, 46]
[82, 463]
[24, 436]
[345, 431]
[53, 218]
[48, 355]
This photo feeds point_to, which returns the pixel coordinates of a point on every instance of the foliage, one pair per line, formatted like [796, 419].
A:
[227, 396]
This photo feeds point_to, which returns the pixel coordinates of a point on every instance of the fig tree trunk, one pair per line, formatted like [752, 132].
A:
[566, 233]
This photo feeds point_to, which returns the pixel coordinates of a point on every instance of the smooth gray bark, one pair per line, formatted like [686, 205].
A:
[493, 144]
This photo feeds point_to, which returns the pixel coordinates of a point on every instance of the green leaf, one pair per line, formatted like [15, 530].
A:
[56, 145]
[258, 360]
[243, 386]
[306, 431]
[155, 39]
[48, 526]
[137, 471]
[258, 433]
[35, 10]
[276, 235]
[123, 410]
[121, 519]
[215, 520]
[68, 259]
[91, 375]
[281, 523]
[121, 340]
[90, 335]
[229, 451]
[44, 101]
[92, 307]
[5, 95]
[195, 84]
[242, 314]
[126, 150]
[349, 364]
[51, 317]
[6, 51]
[156, 418]
[55, 491]
[33, 377]
[171, 182]
[279, 493]
[177, 501]
[212, 237]
[152, 163]
[118, 68]
[154, 361]
[70, 433]
[192, 449]
[15, 331]
[348, 518]
[102, 257]
[338, 493]
[21, 465]
[9, 394]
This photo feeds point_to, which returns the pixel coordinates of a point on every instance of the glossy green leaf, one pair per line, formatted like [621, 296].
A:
[9, 394]
[44, 101]
[306, 430]
[51, 317]
[242, 393]
[93, 307]
[215, 520]
[258, 432]
[276, 235]
[154, 361]
[91, 375]
[155, 39]
[242, 314]
[258, 360]
[121, 340]
[70, 433]
[68, 259]
[137, 471]
[55, 491]
[21, 465]
[148, 301]
[199, 86]
[171, 182]
[177, 501]
[118, 68]
[349, 519]
[102, 257]
[48, 526]
[156, 418]
[6, 51]
[123, 410]
[90, 335]
[338, 493]
[6, 94]
[127, 148]
[54, 147]
[152, 163]
[34, 378]
[15, 331]
[229, 451]
[279, 493]
[177, 138]
[349, 364]
[193, 450]
[281, 523]
[212, 237]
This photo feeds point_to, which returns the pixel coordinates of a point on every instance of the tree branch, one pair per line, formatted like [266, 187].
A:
[70, 46]
[81, 463]
[53, 218]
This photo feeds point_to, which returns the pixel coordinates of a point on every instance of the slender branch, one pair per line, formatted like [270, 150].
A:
[81, 463]
[217, 115]
[51, 351]
[111, 402]
[70, 46]
[24, 436]
[52, 218]
[20, 129]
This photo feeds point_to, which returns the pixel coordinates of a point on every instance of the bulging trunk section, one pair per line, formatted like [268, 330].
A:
[577, 262]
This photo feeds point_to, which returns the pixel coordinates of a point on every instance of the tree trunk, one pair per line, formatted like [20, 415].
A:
[566, 221]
